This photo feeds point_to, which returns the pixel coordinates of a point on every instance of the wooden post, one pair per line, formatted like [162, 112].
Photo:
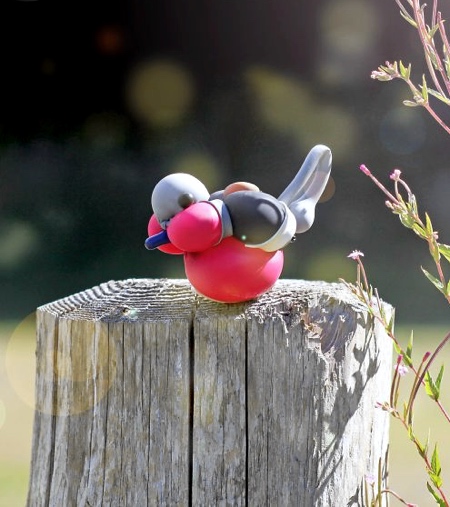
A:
[148, 394]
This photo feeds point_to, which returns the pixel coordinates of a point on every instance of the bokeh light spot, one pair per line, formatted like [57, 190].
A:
[282, 101]
[160, 93]
[201, 165]
[84, 373]
[334, 126]
[109, 40]
[19, 241]
[290, 107]
[348, 29]
[349, 26]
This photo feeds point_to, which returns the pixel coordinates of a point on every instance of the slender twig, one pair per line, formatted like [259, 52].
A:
[395, 495]
[427, 43]
[419, 376]
[443, 34]
[437, 118]
[395, 382]
[427, 367]
[434, 13]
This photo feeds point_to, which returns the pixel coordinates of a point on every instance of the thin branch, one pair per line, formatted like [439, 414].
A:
[428, 46]
[434, 14]
[427, 367]
[437, 118]
[443, 34]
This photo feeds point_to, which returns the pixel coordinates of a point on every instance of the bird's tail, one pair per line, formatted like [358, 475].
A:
[304, 191]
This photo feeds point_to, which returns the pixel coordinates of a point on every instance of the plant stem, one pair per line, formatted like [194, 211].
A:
[437, 118]
[423, 373]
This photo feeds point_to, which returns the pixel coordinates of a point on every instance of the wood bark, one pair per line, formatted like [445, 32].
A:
[147, 394]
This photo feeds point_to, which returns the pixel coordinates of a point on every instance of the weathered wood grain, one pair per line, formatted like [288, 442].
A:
[219, 422]
[147, 394]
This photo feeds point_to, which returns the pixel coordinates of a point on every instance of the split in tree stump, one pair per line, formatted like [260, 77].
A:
[147, 394]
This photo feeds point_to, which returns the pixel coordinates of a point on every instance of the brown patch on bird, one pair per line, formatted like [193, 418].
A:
[238, 186]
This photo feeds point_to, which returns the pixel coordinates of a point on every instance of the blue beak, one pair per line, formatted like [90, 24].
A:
[157, 240]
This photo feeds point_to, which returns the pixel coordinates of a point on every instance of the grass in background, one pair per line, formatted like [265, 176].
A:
[17, 366]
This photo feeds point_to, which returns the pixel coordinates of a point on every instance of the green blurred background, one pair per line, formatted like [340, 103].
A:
[99, 100]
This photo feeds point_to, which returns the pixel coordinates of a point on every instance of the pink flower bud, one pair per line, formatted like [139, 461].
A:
[396, 175]
[370, 479]
[365, 170]
[402, 370]
[355, 255]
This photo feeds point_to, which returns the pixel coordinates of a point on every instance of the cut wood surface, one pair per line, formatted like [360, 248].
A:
[148, 394]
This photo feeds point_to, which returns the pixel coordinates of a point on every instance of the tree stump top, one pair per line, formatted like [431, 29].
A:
[310, 303]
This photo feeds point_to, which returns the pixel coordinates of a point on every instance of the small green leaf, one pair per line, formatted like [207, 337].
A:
[434, 250]
[390, 68]
[396, 395]
[428, 224]
[405, 415]
[405, 72]
[432, 31]
[439, 377]
[422, 449]
[430, 386]
[380, 307]
[419, 230]
[433, 245]
[406, 220]
[427, 443]
[408, 18]
[412, 201]
[411, 433]
[438, 499]
[435, 462]
[410, 103]
[397, 348]
[390, 325]
[419, 98]
[445, 250]
[437, 481]
[432, 56]
[439, 96]
[437, 283]
[433, 388]
[408, 353]
[424, 88]
[447, 66]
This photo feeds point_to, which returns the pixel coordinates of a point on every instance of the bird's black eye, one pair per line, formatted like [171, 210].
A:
[185, 200]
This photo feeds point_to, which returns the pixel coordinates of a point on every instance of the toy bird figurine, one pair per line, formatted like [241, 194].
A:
[232, 240]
